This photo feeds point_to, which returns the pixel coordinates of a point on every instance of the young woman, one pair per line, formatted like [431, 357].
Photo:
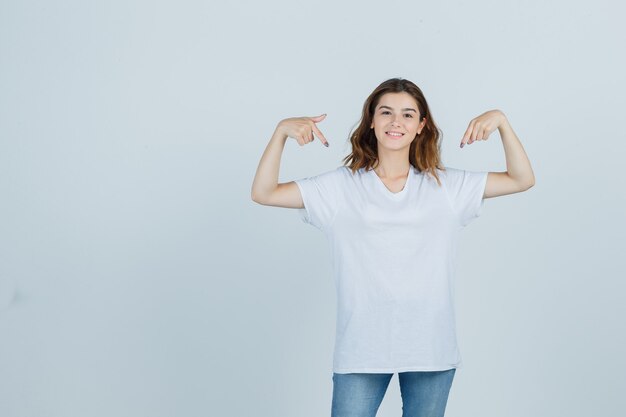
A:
[393, 215]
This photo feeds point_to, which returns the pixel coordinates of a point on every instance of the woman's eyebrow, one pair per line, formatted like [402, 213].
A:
[406, 108]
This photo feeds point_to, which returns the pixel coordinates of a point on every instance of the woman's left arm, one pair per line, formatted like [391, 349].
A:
[519, 175]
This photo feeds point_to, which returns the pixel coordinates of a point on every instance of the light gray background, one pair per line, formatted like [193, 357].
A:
[137, 277]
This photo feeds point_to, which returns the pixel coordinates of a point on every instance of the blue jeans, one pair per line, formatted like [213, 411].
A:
[424, 394]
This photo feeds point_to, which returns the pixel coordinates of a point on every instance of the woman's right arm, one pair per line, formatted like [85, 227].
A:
[265, 188]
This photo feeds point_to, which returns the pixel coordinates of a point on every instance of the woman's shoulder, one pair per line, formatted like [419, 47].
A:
[342, 171]
[335, 175]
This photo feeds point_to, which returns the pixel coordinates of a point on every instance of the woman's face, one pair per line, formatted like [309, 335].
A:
[396, 120]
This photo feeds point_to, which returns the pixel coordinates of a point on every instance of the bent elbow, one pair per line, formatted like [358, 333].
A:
[529, 185]
[254, 197]
[257, 198]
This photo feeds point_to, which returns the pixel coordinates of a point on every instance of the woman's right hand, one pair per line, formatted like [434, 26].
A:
[302, 129]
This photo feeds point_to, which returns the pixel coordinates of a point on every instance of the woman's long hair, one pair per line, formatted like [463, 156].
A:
[424, 151]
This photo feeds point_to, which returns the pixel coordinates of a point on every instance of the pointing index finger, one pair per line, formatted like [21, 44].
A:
[467, 135]
[320, 135]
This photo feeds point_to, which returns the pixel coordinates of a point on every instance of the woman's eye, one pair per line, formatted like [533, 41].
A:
[387, 112]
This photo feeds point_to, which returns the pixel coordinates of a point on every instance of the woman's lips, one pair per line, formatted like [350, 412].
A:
[394, 137]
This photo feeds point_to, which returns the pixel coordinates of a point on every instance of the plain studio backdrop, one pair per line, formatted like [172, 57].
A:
[138, 278]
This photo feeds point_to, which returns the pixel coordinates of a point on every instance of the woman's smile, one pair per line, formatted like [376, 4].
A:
[394, 135]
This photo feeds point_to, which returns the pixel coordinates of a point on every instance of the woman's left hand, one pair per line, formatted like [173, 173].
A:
[482, 126]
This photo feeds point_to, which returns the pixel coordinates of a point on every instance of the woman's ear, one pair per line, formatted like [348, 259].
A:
[423, 123]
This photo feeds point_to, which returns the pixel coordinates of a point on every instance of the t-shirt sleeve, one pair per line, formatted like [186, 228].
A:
[320, 195]
[465, 190]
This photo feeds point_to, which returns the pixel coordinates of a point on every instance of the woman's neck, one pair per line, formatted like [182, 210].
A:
[389, 168]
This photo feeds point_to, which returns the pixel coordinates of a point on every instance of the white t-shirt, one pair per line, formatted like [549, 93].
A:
[393, 257]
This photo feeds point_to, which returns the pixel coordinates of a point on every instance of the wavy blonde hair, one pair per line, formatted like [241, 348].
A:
[424, 151]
